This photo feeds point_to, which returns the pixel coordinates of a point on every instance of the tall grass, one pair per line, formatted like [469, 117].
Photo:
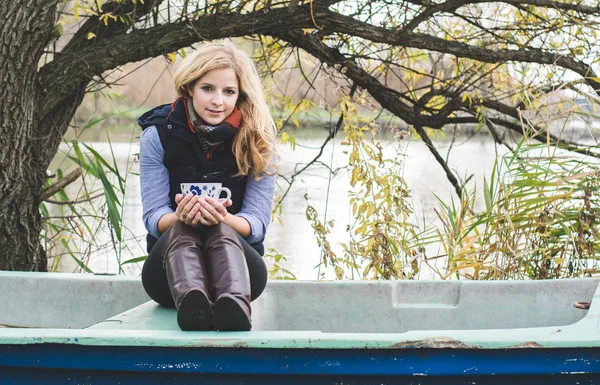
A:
[540, 219]
[80, 222]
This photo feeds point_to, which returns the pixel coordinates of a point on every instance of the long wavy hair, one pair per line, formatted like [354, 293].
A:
[254, 144]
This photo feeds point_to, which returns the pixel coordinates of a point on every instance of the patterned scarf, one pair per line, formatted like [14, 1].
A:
[211, 136]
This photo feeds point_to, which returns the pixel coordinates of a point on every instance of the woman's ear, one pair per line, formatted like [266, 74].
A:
[190, 89]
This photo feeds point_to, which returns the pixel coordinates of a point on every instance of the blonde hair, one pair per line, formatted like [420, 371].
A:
[254, 145]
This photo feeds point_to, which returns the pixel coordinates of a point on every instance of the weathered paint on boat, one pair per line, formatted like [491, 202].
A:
[308, 332]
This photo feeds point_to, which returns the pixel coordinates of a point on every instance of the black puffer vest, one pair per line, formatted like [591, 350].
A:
[188, 163]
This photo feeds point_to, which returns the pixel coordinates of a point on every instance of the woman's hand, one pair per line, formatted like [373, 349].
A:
[194, 210]
[187, 209]
[213, 212]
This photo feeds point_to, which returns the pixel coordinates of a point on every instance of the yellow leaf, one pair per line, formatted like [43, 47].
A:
[370, 243]
[76, 10]
[91, 35]
[370, 210]
[355, 174]
[172, 57]
[361, 209]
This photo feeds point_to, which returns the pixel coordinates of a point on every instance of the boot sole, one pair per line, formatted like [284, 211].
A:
[194, 312]
[229, 316]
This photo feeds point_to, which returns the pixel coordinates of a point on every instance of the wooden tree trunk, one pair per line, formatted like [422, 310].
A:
[26, 30]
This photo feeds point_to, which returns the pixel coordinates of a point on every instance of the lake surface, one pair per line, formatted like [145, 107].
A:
[294, 238]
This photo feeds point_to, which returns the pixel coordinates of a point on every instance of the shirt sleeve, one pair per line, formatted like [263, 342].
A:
[257, 205]
[154, 180]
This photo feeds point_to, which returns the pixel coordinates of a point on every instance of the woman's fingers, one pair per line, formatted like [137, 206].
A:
[207, 217]
[181, 205]
[218, 206]
[192, 215]
[178, 198]
[213, 211]
[194, 210]
[188, 207]
[197, 220]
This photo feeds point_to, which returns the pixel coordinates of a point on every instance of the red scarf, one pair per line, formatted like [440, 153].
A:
[211, 136]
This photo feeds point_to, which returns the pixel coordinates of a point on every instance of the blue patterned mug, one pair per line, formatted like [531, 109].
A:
[206, 190]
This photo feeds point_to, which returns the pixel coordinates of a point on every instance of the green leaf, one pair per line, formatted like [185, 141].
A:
[96, 121]
[135, 260]
[116, 167]
[99, 158]
[77, 260]
[111, 202]
[487, 195]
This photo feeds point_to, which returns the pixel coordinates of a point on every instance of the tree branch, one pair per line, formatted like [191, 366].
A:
[56, 187]
[63, 76]
[451, 5]
[457, 187]
[386, 97]
[348, 25]
[75, 202]
[102, 31]
[331, 135]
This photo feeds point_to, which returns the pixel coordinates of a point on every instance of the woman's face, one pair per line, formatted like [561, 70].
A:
[215, 95]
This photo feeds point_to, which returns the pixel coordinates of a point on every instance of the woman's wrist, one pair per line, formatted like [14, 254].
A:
[166, 221]
[239, 224]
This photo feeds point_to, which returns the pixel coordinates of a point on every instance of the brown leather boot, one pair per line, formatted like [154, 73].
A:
[230, 282]
[186, 274]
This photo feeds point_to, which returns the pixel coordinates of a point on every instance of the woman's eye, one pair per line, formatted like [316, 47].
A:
[206, 88]
[230, 92]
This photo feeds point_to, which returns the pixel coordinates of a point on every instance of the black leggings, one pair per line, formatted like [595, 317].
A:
[154, 276]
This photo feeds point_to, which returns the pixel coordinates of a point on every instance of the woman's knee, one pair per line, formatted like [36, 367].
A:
[222, 232]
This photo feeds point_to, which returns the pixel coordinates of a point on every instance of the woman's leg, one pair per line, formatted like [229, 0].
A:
[188, 282]
[174, 276]
[257, 269]
[228, 276]
[154, 276]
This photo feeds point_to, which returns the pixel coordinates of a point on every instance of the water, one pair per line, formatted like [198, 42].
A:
[294, 238]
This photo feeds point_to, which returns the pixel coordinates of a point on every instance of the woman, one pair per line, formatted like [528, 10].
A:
[205, 255]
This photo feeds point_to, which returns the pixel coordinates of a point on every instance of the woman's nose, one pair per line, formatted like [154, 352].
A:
[217, 100]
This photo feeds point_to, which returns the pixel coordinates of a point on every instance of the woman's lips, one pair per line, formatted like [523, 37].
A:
[214, 112]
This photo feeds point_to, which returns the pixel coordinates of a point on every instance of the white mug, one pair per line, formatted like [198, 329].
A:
[210, 190]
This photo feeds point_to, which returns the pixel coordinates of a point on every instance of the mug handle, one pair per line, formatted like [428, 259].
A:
[227, 191]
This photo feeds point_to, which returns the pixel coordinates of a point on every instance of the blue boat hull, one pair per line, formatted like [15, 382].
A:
[79, 364]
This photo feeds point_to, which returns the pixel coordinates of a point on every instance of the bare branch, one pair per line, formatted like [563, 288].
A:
[348, 25]
[56, 187]
[66, 74]
[457, 187]
[385, 96]
[452, 5]
[331, 135]
[74, 202]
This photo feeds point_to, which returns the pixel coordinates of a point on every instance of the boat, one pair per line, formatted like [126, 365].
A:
[97, 329]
